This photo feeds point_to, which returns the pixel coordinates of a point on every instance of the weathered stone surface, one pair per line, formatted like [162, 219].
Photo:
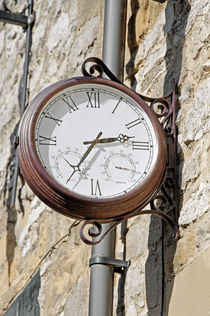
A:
[139, 233]
[185, 251]
[77, 300]
[192, 167]
[135, 293]
[197, 121]
[196, 206]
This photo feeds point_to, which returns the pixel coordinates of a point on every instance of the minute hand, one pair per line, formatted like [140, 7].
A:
[93, 143]
[121, 138]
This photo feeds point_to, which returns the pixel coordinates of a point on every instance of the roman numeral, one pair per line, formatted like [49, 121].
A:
[57, 121]
[93, 100]
[95, 187]
[116, 105]
[140, 145]
[71, 104]
[47, 140]
[133, 123]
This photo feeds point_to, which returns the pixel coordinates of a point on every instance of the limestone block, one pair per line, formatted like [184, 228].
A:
[192, 166]
[198, 8]
[2, 36]
[64, 278]
[139, 233]
[203, 234]
[197, 121]
[85, 39]
[29, 235]
[154, 66]
[76, 302]
[185, 251]
[59, 33]
[39, 33]
[196, 206]
[135, 289]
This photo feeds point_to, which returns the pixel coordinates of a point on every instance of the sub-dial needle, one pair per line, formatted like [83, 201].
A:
[75, 169]
[121, 168]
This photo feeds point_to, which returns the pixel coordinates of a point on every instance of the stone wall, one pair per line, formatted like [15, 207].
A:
[163, 42]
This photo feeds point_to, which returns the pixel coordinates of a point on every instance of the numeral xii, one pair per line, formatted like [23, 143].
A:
[93, 100]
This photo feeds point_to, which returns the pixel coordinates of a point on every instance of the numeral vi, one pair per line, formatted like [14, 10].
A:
[95, 187]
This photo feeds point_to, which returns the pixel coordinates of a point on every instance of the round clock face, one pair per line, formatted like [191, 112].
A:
[96, 143]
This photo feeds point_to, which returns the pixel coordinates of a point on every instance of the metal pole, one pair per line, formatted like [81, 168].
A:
[114, 35]
[101, 275]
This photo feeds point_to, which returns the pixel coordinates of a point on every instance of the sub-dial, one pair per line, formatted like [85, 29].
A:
[65, 165]
[120, 168]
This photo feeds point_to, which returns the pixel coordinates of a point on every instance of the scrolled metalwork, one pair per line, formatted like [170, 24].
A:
[97, 66]
[166, 199]
[162, 109]
[4, 5]
[94, 231]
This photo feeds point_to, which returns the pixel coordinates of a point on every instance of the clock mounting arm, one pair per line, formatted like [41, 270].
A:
[164, 201]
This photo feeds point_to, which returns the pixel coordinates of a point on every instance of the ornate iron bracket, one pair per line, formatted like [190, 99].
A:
[18, 18]
[164, 202]
[26, 21]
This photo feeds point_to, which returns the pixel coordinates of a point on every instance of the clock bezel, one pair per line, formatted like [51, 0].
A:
[70, 203]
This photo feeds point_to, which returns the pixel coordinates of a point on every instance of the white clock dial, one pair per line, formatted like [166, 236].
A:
[95, 140]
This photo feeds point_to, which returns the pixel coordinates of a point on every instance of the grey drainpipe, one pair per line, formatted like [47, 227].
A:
[101, 275]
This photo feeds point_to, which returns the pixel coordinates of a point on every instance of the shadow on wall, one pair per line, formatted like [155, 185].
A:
[11, 242]
[161, 245]
[132, 43]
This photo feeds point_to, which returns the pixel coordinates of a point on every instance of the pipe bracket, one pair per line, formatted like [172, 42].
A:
[118, 265]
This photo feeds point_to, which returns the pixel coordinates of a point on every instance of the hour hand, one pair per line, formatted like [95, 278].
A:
[121, 138]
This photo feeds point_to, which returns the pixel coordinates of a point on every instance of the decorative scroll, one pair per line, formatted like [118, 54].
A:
[99, 67]
[95, 231]
[5, 7]
[164, 203]
[166, 199]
